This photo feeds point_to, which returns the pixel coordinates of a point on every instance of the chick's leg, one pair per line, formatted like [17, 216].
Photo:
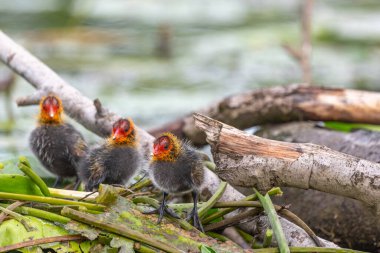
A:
[194, 213]
[58, 182]
[163, 209]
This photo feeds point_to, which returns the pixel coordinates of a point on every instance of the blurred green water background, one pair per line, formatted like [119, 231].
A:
[157, 60]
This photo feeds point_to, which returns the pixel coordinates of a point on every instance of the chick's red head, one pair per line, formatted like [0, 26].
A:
[123, 132]
[50, 109]
[166, 148]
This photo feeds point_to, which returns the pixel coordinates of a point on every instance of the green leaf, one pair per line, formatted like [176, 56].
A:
[12, 231]
[274, 222]
[211, 202]
[348, 127]
[13, 183]
[206, 249]
[11, 168]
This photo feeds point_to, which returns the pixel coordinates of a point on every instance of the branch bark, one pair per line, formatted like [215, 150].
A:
[283, 104]
[250, 161]
[84, 111]
[344, 220]
[361, 143]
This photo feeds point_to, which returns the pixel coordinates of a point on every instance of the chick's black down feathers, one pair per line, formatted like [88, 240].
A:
[110, 164]
[58, 147]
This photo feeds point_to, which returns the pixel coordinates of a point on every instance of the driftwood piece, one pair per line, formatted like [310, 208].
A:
[250, 161]
[342, 220]
[99, 121]
[283, 104]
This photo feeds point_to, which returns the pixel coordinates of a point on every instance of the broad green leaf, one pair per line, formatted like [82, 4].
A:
[14, 183]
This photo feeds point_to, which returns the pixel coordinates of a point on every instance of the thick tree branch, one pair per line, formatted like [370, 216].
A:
[86, 113]
[337, 218]
[284, 104]
[250, 161]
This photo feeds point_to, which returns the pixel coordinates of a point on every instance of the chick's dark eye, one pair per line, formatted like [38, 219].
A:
[165, 143]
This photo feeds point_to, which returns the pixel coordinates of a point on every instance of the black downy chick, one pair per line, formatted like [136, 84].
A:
[176, 168]
[57, 145]
[114, 162]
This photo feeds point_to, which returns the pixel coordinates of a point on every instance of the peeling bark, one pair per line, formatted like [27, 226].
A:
[283, 104]
[250, 161]
[342, 220]
[83, 110]
[364, 144]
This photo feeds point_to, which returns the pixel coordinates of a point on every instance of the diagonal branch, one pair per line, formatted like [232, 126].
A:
[45, 80]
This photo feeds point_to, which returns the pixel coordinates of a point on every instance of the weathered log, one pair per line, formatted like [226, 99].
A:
[283, 104]
[342, 220]
[251, 161]
[98, 120]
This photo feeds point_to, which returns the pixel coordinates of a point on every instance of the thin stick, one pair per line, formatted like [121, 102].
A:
[233, 220]
[23, 220]
[273, 191]
[307, 7]
[62, 238]
[283, 211]
[10, 207]
[49, 200]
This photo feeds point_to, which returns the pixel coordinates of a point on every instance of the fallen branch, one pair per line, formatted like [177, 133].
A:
[84, 111]
[283, 104]
[250, 161]
[335, 218]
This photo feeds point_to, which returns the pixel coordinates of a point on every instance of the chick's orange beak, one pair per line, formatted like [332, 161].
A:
[116, 134]
[51, 112]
